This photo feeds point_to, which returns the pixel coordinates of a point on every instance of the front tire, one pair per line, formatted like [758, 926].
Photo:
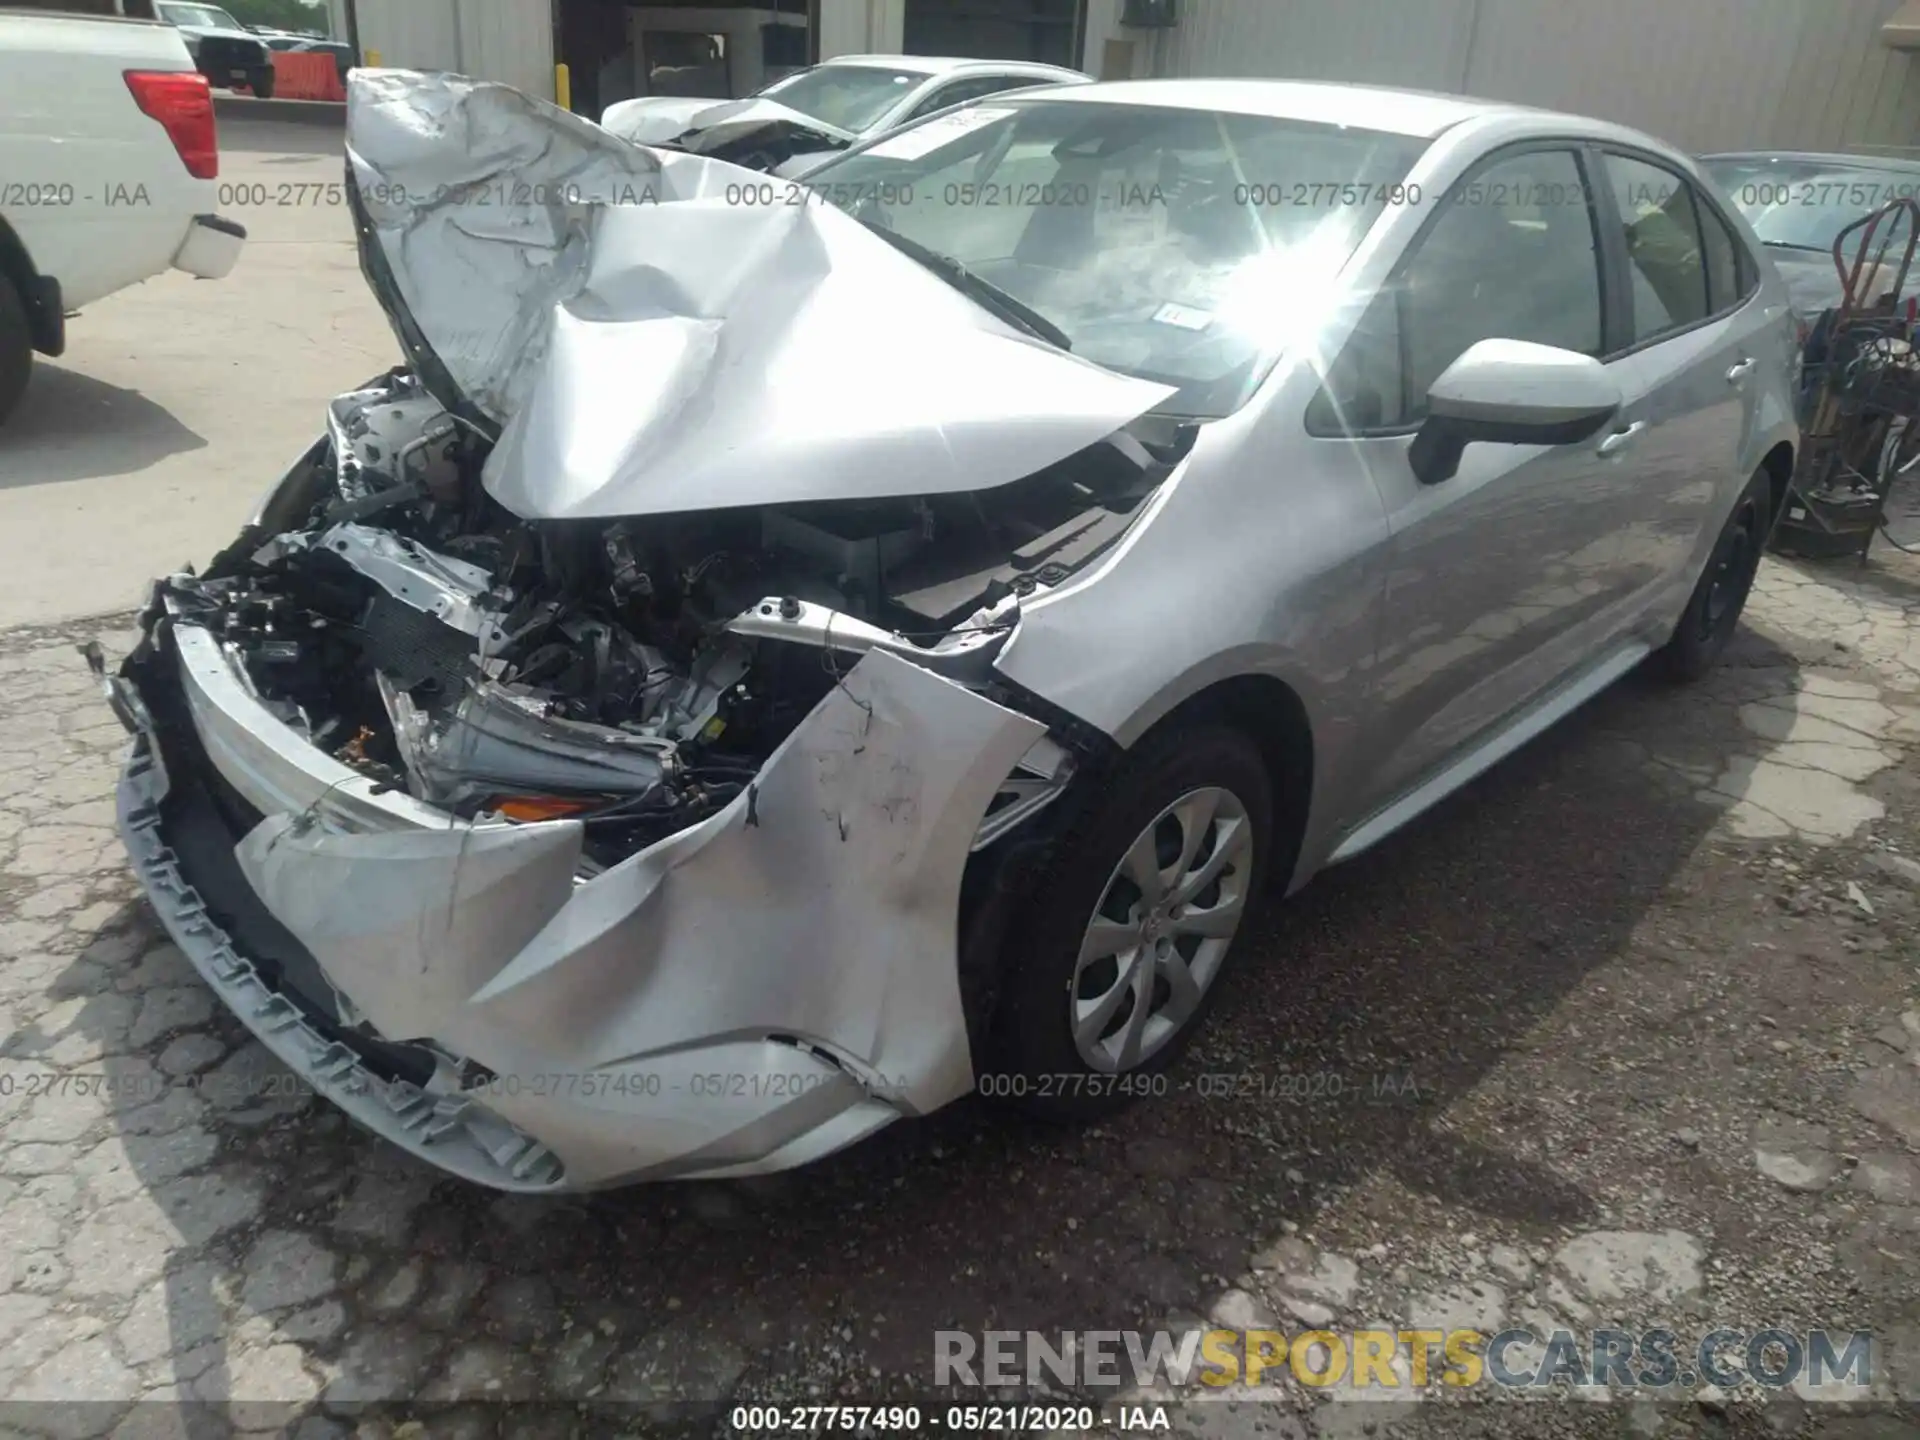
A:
[1115, 961]
[16, 349]
[261, 82]
[1713, 612]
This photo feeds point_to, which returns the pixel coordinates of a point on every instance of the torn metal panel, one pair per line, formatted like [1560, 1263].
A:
[654, 346]
[819, 910]
[440, 911]
[966, 657]
[450, 590]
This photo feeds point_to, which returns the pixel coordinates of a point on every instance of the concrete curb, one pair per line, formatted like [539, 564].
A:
[328, 113]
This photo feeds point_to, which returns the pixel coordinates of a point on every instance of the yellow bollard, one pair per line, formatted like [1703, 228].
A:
[562, 87]
[373, 59]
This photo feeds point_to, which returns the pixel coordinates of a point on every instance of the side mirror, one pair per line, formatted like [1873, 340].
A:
[1511, 392]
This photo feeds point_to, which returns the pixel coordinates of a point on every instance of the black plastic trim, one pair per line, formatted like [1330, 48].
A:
[223, 225]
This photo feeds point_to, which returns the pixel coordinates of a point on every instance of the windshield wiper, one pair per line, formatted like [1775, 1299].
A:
[976, 287]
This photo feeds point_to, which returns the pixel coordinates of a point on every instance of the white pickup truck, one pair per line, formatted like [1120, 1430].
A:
[108, 160]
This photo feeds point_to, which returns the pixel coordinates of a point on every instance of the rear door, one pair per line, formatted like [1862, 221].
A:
[1687, 278]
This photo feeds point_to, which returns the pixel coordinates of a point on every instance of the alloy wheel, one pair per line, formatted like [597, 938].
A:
[1162, 927]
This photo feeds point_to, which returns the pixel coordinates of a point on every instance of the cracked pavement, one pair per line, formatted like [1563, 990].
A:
[1654, 982]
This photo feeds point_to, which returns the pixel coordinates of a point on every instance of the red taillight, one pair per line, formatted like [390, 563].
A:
[182, 101]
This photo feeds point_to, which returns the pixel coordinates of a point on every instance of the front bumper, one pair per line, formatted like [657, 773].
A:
[745, 996]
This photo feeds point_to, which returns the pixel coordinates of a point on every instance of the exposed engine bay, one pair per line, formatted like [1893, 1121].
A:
[633, 674]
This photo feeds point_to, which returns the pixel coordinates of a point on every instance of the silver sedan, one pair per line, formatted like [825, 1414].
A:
[773, 662]
[1799, 205]
[802, 119]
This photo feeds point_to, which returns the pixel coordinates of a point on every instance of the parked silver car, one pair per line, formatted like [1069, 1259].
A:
[803, 119]
[1798, 204]
[760, 671]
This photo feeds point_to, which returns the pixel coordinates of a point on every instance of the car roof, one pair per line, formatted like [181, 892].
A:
[1820, 157]
[931, 65]
[1422, 113]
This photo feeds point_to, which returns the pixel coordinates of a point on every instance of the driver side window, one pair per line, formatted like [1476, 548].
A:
[1512, 255]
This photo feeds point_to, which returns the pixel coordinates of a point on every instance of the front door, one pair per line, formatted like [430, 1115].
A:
[1500, 576]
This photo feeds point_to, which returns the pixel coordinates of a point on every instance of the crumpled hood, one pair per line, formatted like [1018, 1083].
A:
[651, 119]
[649, 345]
[656, 119]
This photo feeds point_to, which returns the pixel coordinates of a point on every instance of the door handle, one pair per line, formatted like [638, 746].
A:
[1620, 439]
[1740, 372]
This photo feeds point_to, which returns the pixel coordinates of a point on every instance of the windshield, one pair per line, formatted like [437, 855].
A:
[1805, 204]
[204, 17]
[850, 97]
[1175, 245]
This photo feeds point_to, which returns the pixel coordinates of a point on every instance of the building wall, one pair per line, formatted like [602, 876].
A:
[862, 27]
[1111, 51]
[1038, 30]
[506, 40]
[510, 40]
[623, 75]
[1704, 74]
[408, 34]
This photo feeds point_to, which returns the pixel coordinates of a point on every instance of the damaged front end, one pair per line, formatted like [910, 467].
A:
[755, 133]
[632, 675]
[563, 828]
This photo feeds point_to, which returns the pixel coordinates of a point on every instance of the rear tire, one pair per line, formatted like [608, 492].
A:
[261, 82]
[16, 349]
[1713, 612]
[1078, 1038]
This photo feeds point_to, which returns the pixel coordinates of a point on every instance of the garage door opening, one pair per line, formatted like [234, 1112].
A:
[703, 49]
[1042, 30]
